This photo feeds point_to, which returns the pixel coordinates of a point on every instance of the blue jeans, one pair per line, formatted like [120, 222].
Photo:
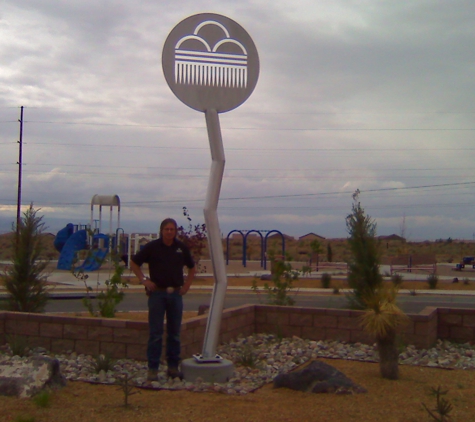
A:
[161, 303]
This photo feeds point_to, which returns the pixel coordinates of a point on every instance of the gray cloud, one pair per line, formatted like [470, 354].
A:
[376, 96]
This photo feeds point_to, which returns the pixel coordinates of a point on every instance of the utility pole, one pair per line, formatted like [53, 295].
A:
[20, 154]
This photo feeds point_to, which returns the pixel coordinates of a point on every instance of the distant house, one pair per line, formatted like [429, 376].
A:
[311, 236]
[279, 237]
[392, 237]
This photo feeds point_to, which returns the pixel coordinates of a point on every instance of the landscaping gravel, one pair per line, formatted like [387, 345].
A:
[258, 359]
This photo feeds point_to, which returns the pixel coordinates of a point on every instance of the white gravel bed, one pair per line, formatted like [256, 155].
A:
[258, 359]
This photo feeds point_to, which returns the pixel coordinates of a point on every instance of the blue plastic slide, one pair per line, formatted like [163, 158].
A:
[94, 260]
[62, 237]
[76, 242]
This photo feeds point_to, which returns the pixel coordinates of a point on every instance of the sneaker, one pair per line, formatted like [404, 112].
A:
[152, 375]
[174, 373]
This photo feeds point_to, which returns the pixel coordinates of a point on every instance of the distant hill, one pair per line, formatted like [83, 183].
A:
[6, 246]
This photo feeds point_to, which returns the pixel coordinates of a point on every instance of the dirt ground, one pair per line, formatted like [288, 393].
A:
[388, 401]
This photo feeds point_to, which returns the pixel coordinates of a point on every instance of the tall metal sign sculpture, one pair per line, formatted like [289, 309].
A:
[211, 64]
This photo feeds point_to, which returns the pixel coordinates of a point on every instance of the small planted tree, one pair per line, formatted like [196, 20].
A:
[317, 249]
[108, 299]
[282, 277]
[363, 267]
[25, 279]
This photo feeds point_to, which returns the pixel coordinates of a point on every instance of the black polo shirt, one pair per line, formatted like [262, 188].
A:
[165, 263]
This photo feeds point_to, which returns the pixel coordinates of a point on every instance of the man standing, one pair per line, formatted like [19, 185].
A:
[165, 288]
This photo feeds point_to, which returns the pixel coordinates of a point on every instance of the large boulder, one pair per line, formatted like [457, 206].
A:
[318, 377]
[26, 377]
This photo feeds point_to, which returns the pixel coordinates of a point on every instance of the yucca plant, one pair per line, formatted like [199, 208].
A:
[381, 319]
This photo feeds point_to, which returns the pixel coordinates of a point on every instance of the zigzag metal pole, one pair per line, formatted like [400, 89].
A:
[215, 76]
[214, 236]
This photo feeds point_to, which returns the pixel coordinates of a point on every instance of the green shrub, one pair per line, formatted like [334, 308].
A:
[326, 280]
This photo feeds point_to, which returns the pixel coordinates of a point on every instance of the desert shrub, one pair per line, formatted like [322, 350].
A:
[326, 280]
[104, 363]
[432, 280]
[306, 270]
[19, 345]
[247, 356]
[397, 279]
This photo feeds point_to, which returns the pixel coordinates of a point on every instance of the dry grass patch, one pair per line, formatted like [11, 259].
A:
[389, 401]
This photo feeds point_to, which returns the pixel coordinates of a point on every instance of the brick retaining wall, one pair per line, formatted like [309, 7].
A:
[122, 338]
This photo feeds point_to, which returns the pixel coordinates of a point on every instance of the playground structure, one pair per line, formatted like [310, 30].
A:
[74, 238]
[135, 241]
[245, 234]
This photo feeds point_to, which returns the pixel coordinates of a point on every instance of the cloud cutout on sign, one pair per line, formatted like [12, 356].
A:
[222, 65]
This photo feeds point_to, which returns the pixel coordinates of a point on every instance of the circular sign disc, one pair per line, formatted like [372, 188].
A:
[210, 62]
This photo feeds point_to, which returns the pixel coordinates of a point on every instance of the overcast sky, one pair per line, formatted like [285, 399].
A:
[369, 95]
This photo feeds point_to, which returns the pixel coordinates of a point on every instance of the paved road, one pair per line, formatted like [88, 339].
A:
[135, 301]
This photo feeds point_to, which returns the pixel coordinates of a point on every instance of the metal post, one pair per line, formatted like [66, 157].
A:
[214, 235]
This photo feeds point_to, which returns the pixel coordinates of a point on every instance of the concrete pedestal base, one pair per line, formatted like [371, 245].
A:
[221, 371]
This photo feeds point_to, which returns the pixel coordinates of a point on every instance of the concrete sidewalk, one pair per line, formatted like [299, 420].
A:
[65, 286]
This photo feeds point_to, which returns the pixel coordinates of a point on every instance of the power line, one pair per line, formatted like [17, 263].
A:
[250, 128]
[286, 150]
[303, 195]
[228, 169]
[262, 197]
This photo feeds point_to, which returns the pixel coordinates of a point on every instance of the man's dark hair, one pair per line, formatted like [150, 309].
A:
[167, 221]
